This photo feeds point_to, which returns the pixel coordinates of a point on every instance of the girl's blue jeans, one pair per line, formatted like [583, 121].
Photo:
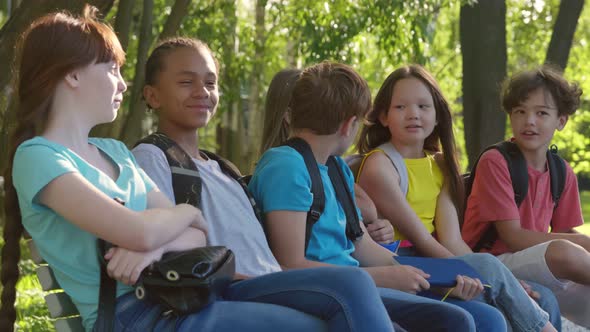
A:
[507, 295]
[320, 299]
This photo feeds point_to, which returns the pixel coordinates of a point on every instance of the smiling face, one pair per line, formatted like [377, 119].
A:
[535, 120]
[411, 116]
[185, 92]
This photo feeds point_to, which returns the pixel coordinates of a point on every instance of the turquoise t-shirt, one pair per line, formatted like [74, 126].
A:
[281, 183]
[70, 251]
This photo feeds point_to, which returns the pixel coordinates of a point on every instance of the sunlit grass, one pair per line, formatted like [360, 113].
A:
[585, 198]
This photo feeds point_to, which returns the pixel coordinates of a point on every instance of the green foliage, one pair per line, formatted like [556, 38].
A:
[528, 32]
[529, 27]
[32, 313]
[573, 143]
[585, 199]
[574, 139]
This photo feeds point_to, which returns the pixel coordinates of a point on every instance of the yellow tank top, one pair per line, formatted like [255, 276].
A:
[425, 181]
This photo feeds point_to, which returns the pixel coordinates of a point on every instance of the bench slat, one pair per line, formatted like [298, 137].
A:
[60, 305]
[47, 278]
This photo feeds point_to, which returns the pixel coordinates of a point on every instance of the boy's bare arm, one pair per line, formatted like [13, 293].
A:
[286, 235]
[446, 222]
[379, 229]
[517, 238]
[370, 253]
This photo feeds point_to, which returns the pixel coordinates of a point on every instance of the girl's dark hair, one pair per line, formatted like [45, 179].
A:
[64, 43]
[155, 62]
[276, 129]
[566, 95]
[374, 133]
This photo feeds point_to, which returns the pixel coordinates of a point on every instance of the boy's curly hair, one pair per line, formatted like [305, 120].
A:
[566, 95]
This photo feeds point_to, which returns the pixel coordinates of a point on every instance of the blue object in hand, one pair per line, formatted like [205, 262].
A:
[443, 271]
[393, 246]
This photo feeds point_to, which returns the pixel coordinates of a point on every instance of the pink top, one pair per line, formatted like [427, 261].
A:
[492, 199]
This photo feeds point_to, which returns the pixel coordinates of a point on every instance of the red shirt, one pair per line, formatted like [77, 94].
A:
[492, 199]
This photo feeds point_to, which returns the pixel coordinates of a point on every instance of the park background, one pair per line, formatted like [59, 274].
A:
[469, 46]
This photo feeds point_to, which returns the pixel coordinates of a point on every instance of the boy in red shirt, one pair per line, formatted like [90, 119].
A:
[538, 102]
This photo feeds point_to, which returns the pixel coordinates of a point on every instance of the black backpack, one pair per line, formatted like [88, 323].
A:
[343, 194]
[517, 167]
[186, 179]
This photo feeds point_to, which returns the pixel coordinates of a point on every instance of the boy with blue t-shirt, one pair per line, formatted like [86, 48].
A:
[538, 103]
[326, 106]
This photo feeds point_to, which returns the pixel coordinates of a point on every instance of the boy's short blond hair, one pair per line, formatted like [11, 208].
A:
[566, 95]
[327, 94]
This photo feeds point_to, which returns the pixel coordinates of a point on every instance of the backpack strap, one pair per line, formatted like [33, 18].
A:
[344, 196]
[517, 168]
[105, 316]
[489, 235]
[557, 173]
[107, 296]
[317, 188]
[186, 179]
[398, 162]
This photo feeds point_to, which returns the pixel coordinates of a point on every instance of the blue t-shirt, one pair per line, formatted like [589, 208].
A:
[70, 251]
[281, 182]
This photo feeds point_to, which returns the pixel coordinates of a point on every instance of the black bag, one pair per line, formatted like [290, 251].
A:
[187, 281]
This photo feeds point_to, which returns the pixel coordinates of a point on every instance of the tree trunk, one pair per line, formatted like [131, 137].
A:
[20, 20]
[229, 145]
[178, 12]
[123, 21]
[563, 32]
[12, 6]
[483, 48]
[253, 134]
[133, 127]
[133, 123]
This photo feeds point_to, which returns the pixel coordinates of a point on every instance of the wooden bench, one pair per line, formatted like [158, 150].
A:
[61, 308]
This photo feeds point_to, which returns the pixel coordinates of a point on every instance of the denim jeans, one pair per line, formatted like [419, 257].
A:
[486, 317]
[548, 302]
[506, 293]
[320, 299]
[418, 313]
[405, 309]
